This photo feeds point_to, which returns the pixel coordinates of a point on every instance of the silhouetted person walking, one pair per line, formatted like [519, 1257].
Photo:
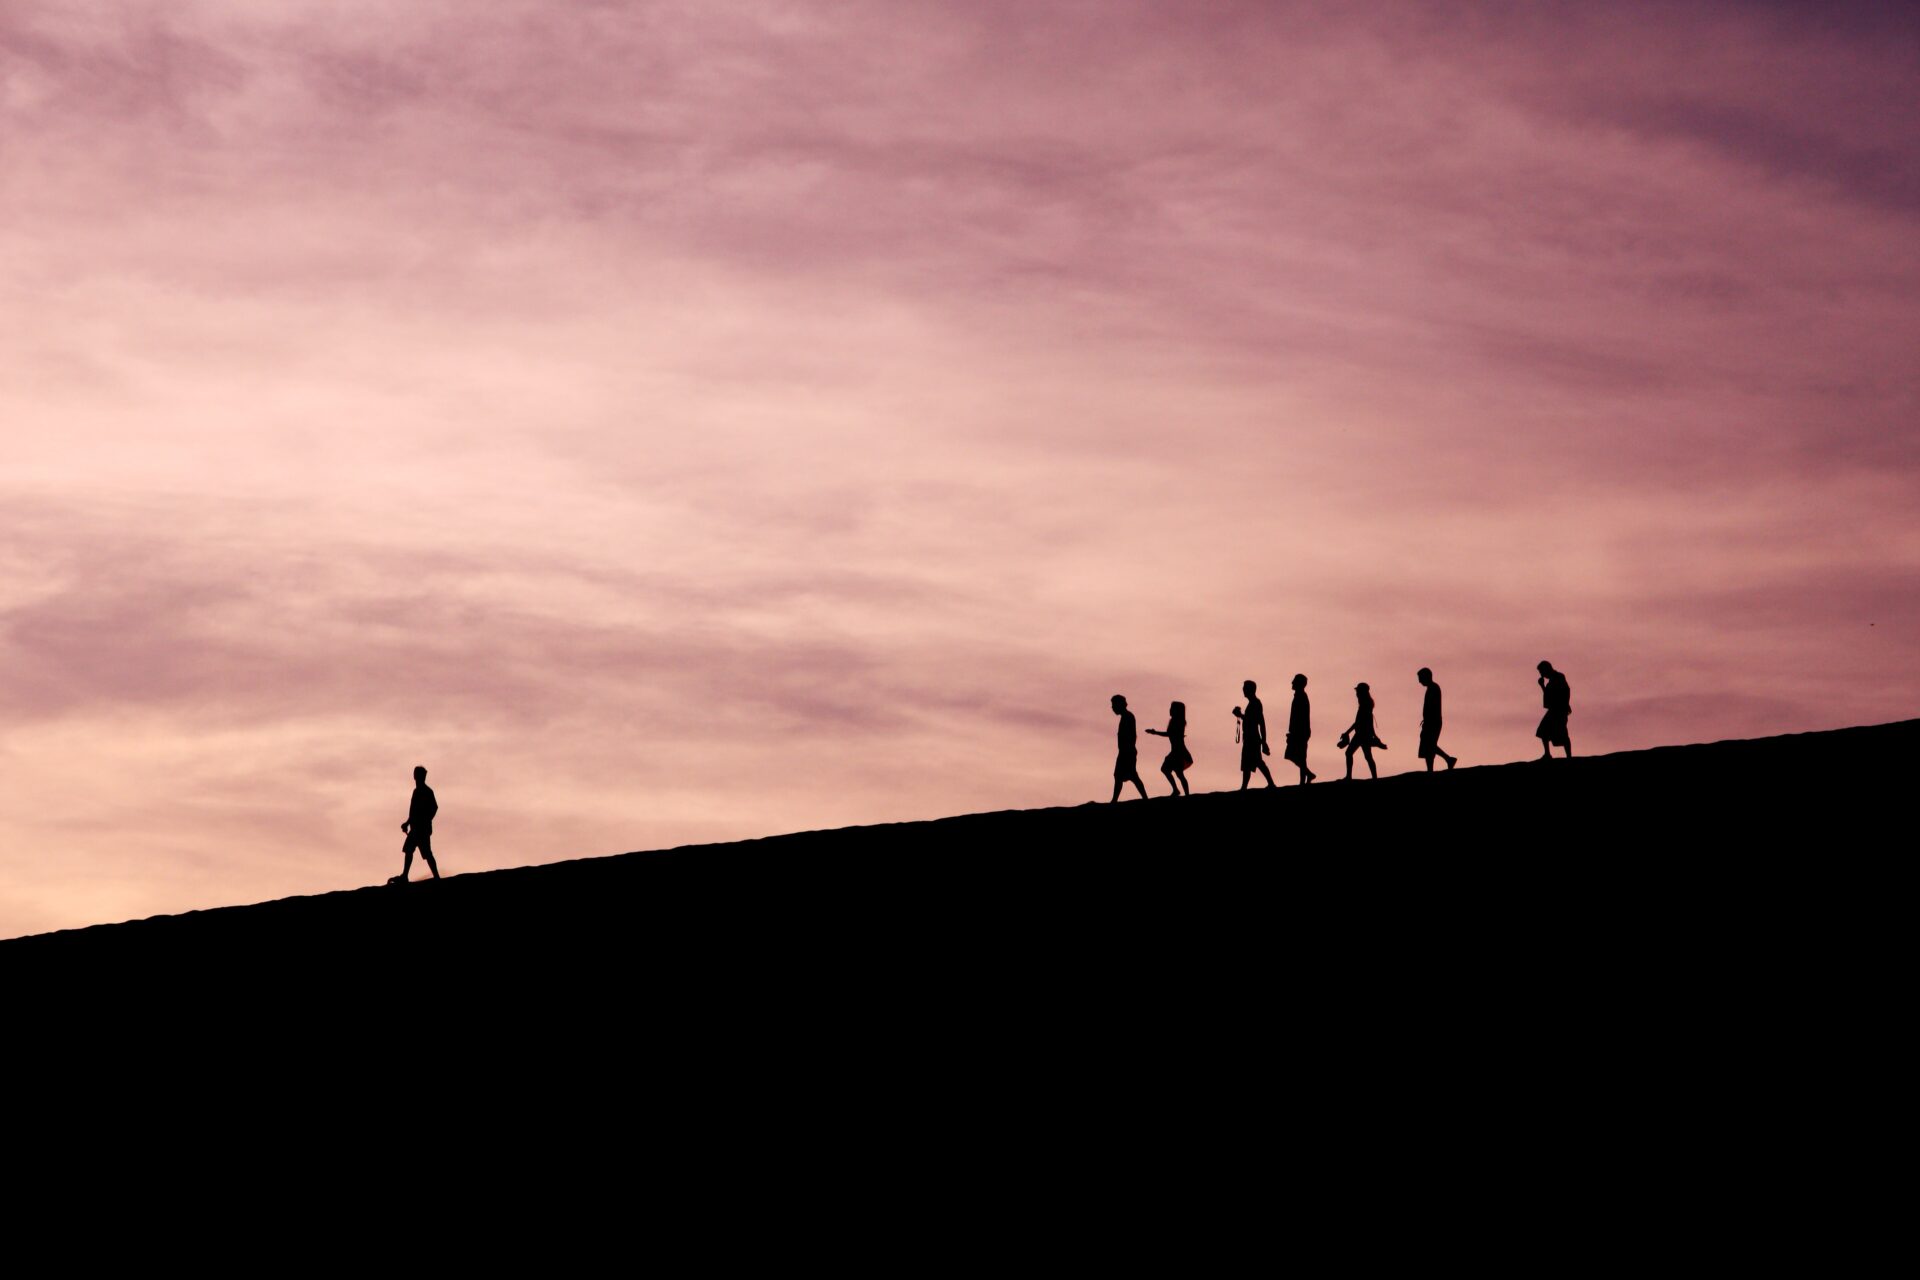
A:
[1252, 736]
[1299, 729]
[419, 826]
[1430, 722]
[1178, 759]
[1360, 735]
[1126, 766]
[1557, 698]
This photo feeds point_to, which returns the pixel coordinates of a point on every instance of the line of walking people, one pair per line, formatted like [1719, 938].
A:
[1250, 731]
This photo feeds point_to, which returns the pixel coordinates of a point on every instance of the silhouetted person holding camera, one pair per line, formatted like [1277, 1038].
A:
[1558, 700]
[1360, 735]
[1252, 736]
[1126, 766]
[1299, 729]
[1178, 760]
[419, 826]
[1430, 722]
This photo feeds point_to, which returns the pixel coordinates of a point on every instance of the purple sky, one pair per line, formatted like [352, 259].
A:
[681, 422]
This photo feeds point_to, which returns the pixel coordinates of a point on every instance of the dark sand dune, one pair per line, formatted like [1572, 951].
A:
[1546, 876]
[1527, 1011]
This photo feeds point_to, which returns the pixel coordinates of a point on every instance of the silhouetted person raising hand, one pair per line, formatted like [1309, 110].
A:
[1557, 698]
[1430, 722]
[1126, 766]
[1360, 735]
[1299, 729]
[1252, 738]
[419, 826]
[1178, 760]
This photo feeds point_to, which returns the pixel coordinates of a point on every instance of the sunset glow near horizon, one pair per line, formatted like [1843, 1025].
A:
[682, 422]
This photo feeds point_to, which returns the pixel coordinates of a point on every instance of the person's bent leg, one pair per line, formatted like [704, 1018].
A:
[431, 864]
[1246, 776]
[1350, 751]
[1368, 753]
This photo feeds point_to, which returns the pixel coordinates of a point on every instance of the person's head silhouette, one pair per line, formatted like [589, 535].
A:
[1119, 704]
[1366, 694]
[1424, 675]
[1299, 682]
[1178, 711]
[1247, 687]
[1545, 668]
[419, 773]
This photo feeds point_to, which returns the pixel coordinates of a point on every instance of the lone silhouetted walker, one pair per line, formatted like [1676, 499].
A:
[1126, 766]
[1430, 722]
[419, 826]
[1178, 760]
[1557, 698]
[1360, 735]
[1299, 729]
[1252, 737]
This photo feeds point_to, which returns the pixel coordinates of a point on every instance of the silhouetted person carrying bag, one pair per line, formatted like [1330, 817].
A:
[1430, 722]
[1299, 729]
[1178, 760]
[1360, 735]
[1126, 766]
[1251, 734]
[1558, 700]
[419, 826]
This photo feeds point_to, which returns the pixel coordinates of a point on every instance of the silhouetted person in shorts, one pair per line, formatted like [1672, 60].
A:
[1557, 698]
[419, 826]
[1360, 735]
[1299, 729]
[1178, 759]
[1253, 738]
[1430, 722]
[1126, 766]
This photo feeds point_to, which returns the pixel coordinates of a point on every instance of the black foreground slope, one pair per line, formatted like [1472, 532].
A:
[1539, 874]
[1532, 1012]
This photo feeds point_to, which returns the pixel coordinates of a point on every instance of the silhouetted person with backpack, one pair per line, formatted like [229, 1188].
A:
[419, 826]
[1126, 766]
[1178, 760]
[1558, 700]
[1360, 735]
[1252, 736]
[1430, 722]
[1299, 729]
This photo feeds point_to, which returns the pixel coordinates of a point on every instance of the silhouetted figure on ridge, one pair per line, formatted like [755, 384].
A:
[1252, 737]
[1126, 766]
[1558, 700]
[1360, 735]
[1299, 729]
[1430, 722]
[1178, 760]
[419, 826]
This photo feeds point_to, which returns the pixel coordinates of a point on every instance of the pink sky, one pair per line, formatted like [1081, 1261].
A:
[678, 422]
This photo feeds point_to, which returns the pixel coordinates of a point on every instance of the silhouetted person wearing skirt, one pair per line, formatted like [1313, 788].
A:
[1360, 735]
[1299, 729]
[1126, 766]
[1430, 722]
[419, 826]
[1178, 760]
[1558, 700]
[1253, 738]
